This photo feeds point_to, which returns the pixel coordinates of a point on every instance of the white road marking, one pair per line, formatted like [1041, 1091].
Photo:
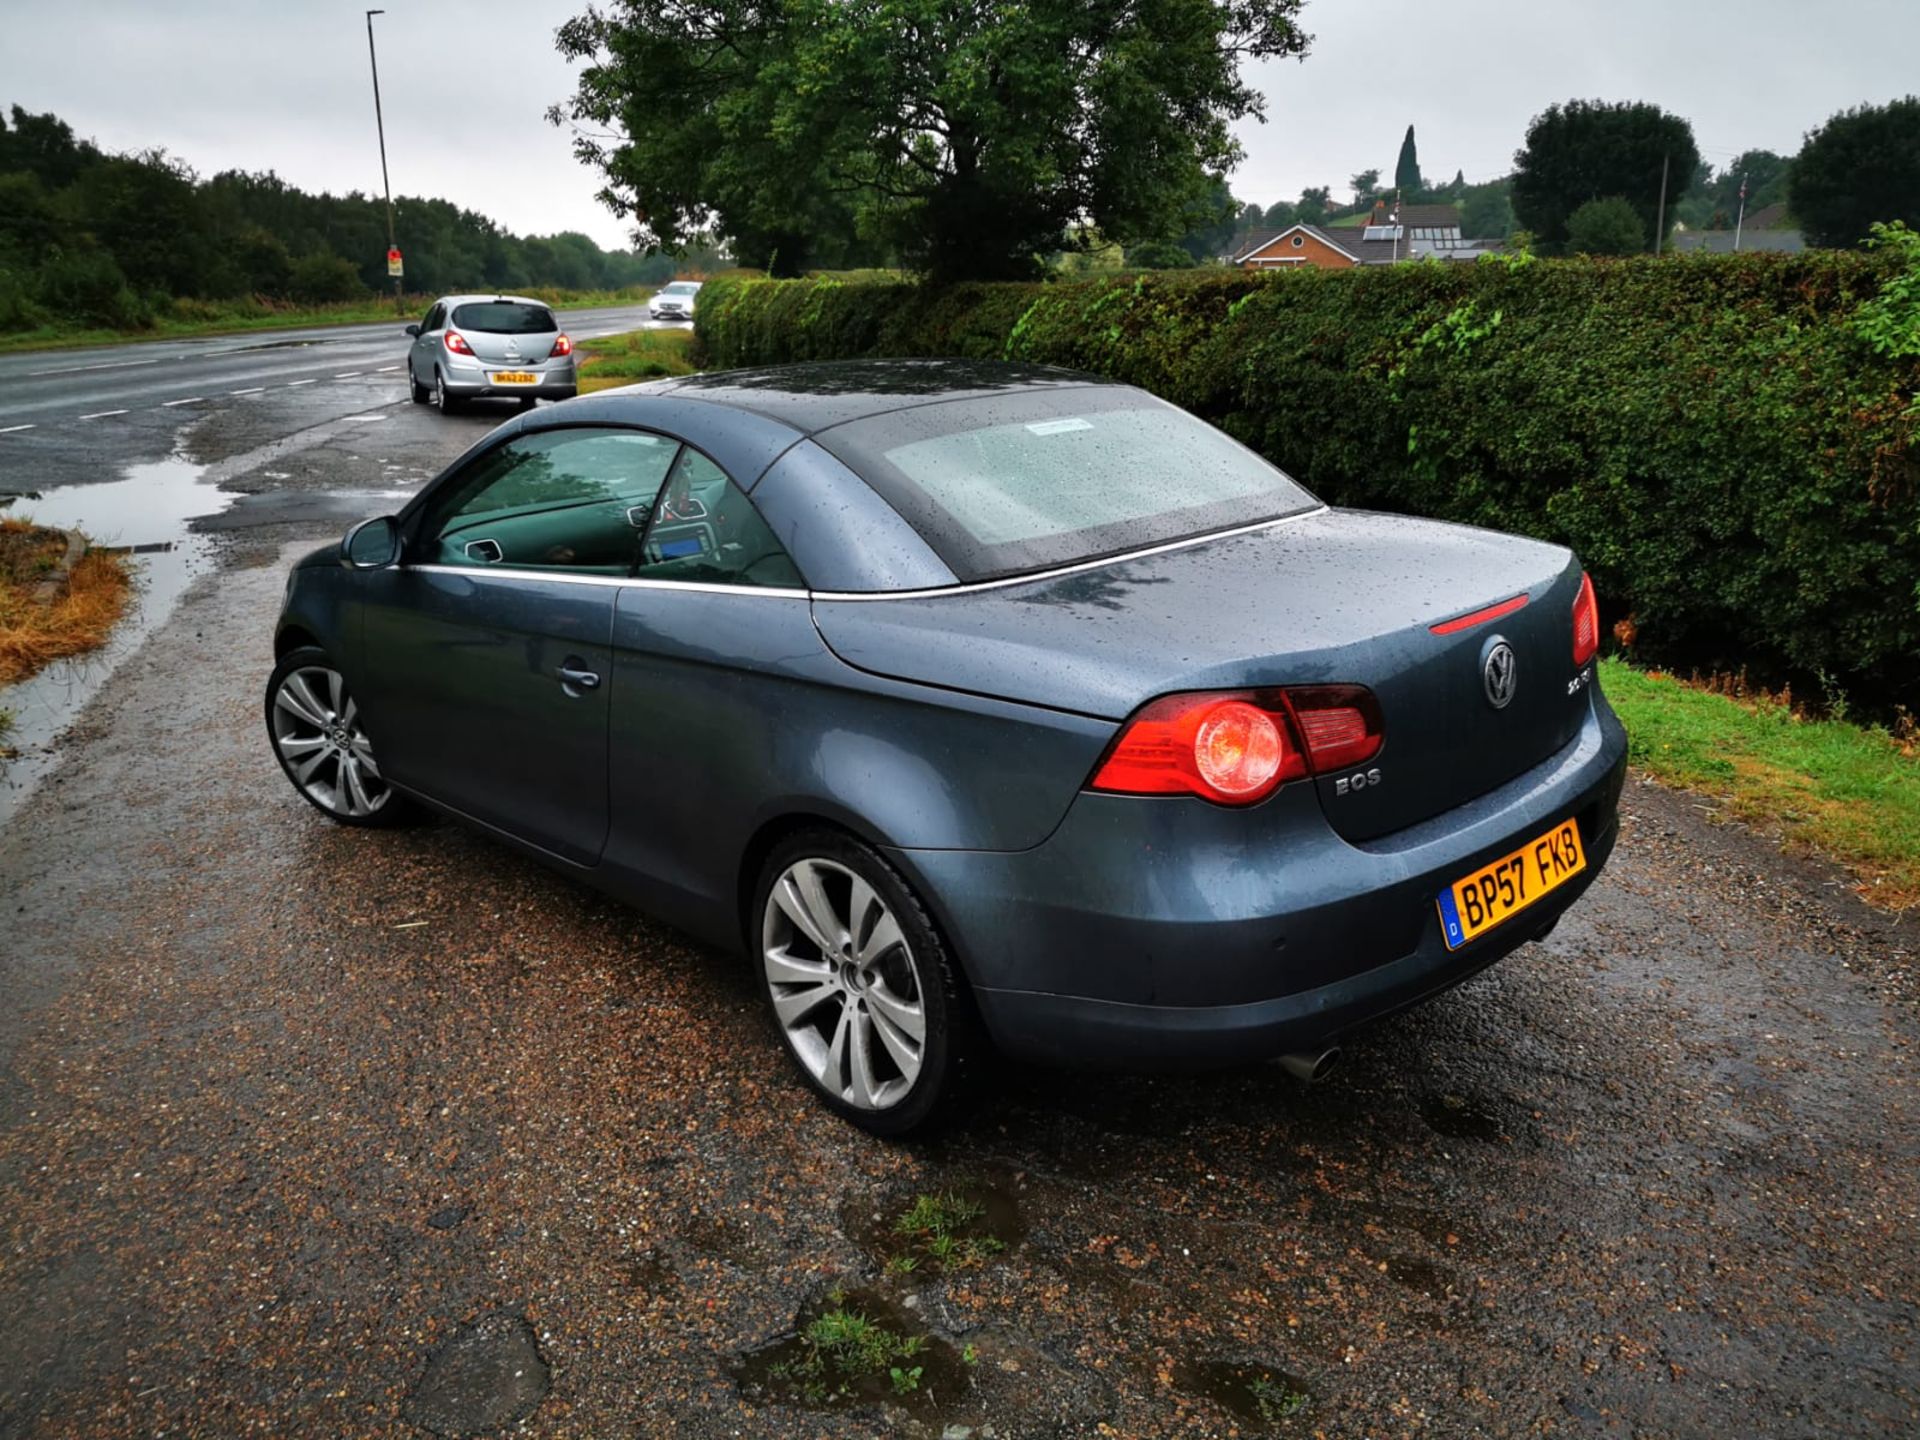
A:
[348, 376]
[296, 384]
[256, 390]
[8, 430]
[385, 368]
[102, 414]
[190, 400]
[109, 365]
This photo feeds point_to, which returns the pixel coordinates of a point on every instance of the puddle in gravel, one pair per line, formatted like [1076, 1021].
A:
[935, 1232]
[1258, 1396]
[1458, 1118]
[856, 1348]
[146, 513]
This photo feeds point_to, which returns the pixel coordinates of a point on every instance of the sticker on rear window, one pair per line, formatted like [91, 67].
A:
[1059, 427]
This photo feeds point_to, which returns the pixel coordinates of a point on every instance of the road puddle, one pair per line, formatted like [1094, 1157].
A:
[853, 1348]
[147, 513]
[1261, 1398]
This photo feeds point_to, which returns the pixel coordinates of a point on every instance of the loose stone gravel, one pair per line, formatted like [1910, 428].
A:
[315, 1132]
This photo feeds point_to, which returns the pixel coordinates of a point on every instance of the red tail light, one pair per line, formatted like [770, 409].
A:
[1586, 623]
[456, 343]
[1234, 747]
[561, 346]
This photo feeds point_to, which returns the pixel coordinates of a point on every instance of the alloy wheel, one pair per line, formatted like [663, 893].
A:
[317, 730]
[845, 986]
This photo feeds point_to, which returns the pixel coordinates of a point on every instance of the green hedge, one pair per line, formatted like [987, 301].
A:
[1716, 436]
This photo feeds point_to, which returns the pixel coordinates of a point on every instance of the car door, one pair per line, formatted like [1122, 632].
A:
[420, 357]
[487, 650]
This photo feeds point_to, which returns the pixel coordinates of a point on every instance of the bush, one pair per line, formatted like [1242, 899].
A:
[1734, 461]
[322, 278]
[1606, 227]
[86, 287]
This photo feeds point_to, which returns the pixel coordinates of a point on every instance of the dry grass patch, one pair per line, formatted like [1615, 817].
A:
[37, 629]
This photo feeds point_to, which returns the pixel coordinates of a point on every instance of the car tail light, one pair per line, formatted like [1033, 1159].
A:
[1235, 747]
[1586, 623]
[561, 346]
[1339, 724]
[456, 343]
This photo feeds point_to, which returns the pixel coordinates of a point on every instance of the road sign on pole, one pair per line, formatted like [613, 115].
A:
[395, 266]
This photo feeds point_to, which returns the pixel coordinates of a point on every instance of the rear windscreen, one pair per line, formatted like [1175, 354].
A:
[504, 317]
[1033, 480]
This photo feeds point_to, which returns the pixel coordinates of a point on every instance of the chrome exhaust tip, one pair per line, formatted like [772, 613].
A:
[1310, 1068]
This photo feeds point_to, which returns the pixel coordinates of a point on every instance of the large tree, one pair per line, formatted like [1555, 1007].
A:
[1587, 150]
[1861, 166]
[969, 139]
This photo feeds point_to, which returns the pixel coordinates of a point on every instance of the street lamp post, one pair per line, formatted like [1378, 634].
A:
[381, 124]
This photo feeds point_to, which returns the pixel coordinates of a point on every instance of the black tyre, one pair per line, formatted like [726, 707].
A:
[322, 746]
[447, 404]
[417, 392]
[865, 997]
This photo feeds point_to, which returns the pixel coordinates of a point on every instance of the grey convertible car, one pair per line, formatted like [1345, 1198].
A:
[976, 704]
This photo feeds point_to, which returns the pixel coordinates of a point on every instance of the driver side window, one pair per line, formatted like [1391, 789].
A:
[563, 500]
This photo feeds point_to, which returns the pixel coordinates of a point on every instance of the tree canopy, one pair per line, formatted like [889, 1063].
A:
[90, 235]
[1863, 165]
[967, 140]
[1588, 150]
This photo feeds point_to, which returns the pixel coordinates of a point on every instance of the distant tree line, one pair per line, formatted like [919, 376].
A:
[104, 239]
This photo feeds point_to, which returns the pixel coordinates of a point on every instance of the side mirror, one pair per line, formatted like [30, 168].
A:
[413, 330]
[372, 544]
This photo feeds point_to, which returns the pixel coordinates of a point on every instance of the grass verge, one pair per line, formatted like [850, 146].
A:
[36, 630]
[1848, 791]
[190, 318]
[636, 355]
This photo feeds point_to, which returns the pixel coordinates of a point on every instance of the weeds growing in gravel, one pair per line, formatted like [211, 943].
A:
[943, 1230]
[842, 1347]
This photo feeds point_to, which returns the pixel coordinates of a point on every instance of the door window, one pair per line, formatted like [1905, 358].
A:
[565, 500]
[705, 529]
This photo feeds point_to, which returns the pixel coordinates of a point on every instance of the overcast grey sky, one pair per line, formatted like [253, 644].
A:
[282, 85]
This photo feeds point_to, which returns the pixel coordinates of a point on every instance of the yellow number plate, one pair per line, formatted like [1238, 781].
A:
[513, 377]
[1472, 906]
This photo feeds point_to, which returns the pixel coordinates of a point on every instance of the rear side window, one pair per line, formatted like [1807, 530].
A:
[504, 317]
[1002, 485]
[705, 530]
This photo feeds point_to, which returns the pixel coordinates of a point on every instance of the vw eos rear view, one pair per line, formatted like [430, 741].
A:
[1007, 710]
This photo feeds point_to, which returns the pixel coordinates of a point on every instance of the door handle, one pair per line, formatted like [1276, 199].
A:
[579, 679]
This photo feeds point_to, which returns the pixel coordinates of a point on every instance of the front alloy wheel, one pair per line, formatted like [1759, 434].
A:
[858, 982]
[321, 743]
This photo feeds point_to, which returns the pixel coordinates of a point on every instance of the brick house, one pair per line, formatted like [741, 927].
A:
[1414, 233]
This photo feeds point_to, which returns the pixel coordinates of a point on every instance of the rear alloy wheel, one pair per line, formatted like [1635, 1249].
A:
[322, 745]
[419, 393]
[441, 398]
[860, 986]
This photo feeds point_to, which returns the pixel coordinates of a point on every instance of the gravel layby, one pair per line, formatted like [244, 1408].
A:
[315, 1132]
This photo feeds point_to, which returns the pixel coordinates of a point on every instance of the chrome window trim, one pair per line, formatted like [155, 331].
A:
[495, 572]
[771, 592]
[1032, 576]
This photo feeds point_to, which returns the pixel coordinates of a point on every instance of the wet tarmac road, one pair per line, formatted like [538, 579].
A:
[306, 1131]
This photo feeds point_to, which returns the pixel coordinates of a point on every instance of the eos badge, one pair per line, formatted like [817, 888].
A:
[1359, 780]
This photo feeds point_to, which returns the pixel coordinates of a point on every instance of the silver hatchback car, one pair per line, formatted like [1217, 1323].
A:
[497, 345]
